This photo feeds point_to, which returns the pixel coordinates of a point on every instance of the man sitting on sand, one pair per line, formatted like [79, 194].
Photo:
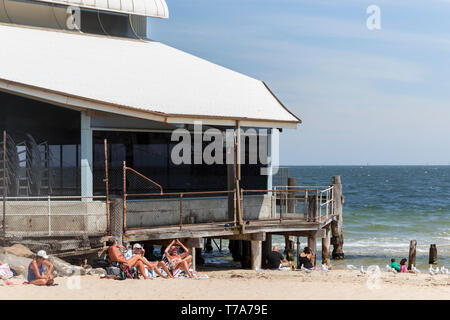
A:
[136, 261]
[36, 270]
[275, 259]
[178, 261]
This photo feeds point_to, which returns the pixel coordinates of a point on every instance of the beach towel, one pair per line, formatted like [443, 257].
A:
[5, 272]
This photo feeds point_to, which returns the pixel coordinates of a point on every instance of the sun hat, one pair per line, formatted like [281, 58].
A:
[137, 246]
[42, 254]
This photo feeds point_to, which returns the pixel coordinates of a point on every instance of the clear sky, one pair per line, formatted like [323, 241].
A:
[365, 96]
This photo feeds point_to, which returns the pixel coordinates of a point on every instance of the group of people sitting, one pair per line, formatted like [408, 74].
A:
[275, 260]
[172, 264]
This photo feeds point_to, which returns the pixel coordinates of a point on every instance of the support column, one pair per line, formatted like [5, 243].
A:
[336, 225]
[289, 250]
[86, 147]
[312, 243]
[326, 247]
[266, 248]
[256, 250]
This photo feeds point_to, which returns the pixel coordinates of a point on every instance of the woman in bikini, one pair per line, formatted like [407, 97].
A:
[178, 261]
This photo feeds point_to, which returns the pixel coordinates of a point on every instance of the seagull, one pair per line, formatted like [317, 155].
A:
[388, 268]
[415, 269]
[351, 267]
[444, 270]
[305, 269]
[325, 267]
[362, 270]
[431, 270]
[394, 271]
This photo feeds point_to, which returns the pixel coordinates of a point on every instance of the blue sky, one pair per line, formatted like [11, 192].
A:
[377, 97]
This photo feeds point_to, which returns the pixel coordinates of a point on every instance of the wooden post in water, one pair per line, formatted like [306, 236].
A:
[412, 254]
[326, 241]
[433, 254]
[337, 239]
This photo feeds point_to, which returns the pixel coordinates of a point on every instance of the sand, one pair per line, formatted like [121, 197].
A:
[244, 285]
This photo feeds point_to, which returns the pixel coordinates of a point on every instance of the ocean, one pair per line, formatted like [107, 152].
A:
[386, 207]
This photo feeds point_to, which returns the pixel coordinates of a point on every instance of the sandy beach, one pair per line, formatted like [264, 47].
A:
[244, 285]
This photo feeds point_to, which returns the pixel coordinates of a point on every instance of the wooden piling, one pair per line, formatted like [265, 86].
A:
[256, 250]
[266, 248]
[289, 250]
[412, 254]
[337, 239]
[312, 243]
[326, 241]
[433, 254]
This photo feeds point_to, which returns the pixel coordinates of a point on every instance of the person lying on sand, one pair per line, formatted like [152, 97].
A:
[139, 250]
[306, 258]
[36, 270]
[403, 267]
[136, 261]
[395, 265]
[178, 261]
[275, 259]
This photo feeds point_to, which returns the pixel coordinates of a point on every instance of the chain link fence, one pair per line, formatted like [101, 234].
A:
[38, 204]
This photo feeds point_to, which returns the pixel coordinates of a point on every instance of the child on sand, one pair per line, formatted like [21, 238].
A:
[395, 265]
[403, 266]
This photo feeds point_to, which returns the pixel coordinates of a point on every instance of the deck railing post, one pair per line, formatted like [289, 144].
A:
[108, 226]
[316, 218]
[4, 189]
[49, 212]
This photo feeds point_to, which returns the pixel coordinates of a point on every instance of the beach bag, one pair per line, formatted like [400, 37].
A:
[5, 272]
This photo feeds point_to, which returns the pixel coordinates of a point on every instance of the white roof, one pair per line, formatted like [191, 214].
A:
[149, 8]
[136, 78]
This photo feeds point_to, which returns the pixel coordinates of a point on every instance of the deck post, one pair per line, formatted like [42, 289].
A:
[412, 254]
[312, 243]
[326, 247]
[256, 249]
[116, 217]
[266, 248]
[86, 147]
[289, 250]
[337, 239]
[231, 175]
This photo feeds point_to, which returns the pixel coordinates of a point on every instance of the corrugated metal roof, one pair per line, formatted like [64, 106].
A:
[144, 76]
[149, 8]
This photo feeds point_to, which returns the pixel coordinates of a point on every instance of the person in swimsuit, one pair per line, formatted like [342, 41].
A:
[136, 260]
[403, 267]
[178, 261]
[36, 270]
[306, 258]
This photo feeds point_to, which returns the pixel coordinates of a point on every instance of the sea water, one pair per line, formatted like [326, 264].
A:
[385, 207]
